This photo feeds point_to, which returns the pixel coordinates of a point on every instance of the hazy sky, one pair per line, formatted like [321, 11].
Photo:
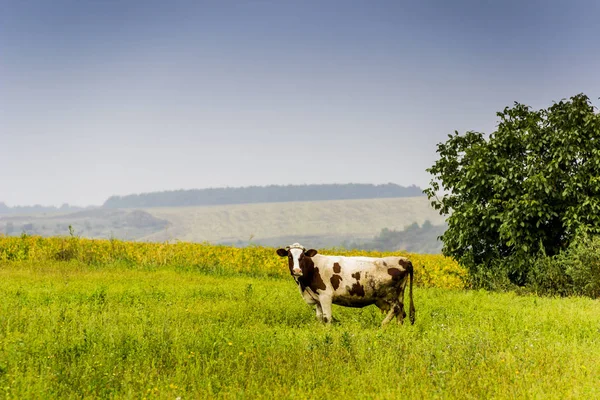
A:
[116, 97]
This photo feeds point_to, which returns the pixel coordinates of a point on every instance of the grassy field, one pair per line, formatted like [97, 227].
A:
[334, 218]
[74, 330]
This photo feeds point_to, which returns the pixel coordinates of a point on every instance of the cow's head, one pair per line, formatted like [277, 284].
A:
[298, 257]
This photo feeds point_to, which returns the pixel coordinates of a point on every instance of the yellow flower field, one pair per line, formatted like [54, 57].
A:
[431, 270]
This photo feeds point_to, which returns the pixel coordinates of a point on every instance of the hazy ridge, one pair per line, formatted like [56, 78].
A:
[372, 223]
[345, 219]
[261, 194]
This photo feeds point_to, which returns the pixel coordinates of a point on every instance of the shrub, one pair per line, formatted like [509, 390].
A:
[574, 271]
[582, 264]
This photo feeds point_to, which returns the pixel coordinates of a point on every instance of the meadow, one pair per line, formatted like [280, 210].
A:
[269, 221]
[117, 326]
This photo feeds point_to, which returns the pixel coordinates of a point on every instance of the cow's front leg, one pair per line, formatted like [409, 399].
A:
[319, 310]
[326, 307]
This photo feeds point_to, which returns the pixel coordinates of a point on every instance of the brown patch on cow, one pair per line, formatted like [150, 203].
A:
[317, 281]
[357, 290]
[308, 278]
[404, 263]
[395, 273]
[335, 281]
[337, 268]
[291, 265]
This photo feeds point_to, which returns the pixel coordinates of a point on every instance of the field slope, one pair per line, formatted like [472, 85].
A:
[70, 330]
[332, 218]
[327, 223]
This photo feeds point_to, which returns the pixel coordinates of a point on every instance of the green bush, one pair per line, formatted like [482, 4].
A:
[574, 271]
[496, 278]
[548, 276]
[582, 264]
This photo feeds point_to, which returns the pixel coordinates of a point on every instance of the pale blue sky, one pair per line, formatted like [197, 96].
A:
[116, 97]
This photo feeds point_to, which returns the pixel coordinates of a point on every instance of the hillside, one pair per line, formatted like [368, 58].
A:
[261, 194]
[36, 209]
[324, 222]
[419, 239]
[98, 223]
[371, 223]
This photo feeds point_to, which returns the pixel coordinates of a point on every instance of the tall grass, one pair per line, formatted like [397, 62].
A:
[430, 270]
[70, 329]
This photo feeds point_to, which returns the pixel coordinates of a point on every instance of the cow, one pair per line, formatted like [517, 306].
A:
[351, 282]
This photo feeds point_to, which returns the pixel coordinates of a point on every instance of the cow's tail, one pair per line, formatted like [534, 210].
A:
[411, 312]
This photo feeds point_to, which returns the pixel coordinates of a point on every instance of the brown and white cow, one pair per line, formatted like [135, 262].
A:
[351, 282]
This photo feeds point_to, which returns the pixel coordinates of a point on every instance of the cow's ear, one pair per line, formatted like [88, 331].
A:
[282, 252]
[310, 253]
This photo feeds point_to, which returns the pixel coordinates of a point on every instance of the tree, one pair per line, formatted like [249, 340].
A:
[532, 185]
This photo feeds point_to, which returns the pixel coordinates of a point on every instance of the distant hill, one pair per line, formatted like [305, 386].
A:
[318, 223]
[97, 223]
[414, 238]
[386, 217]
[261, 194]
[408, 223]
[36, 209]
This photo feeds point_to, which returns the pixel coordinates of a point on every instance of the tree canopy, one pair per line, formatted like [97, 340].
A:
[530, 186]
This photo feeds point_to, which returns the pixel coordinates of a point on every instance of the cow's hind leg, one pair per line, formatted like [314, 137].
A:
[393, 311]
[383, 305]
[401, 314]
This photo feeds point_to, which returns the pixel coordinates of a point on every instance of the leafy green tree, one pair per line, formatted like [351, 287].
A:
[530, 186]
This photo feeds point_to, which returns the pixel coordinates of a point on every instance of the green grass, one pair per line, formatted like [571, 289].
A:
[74, 331]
